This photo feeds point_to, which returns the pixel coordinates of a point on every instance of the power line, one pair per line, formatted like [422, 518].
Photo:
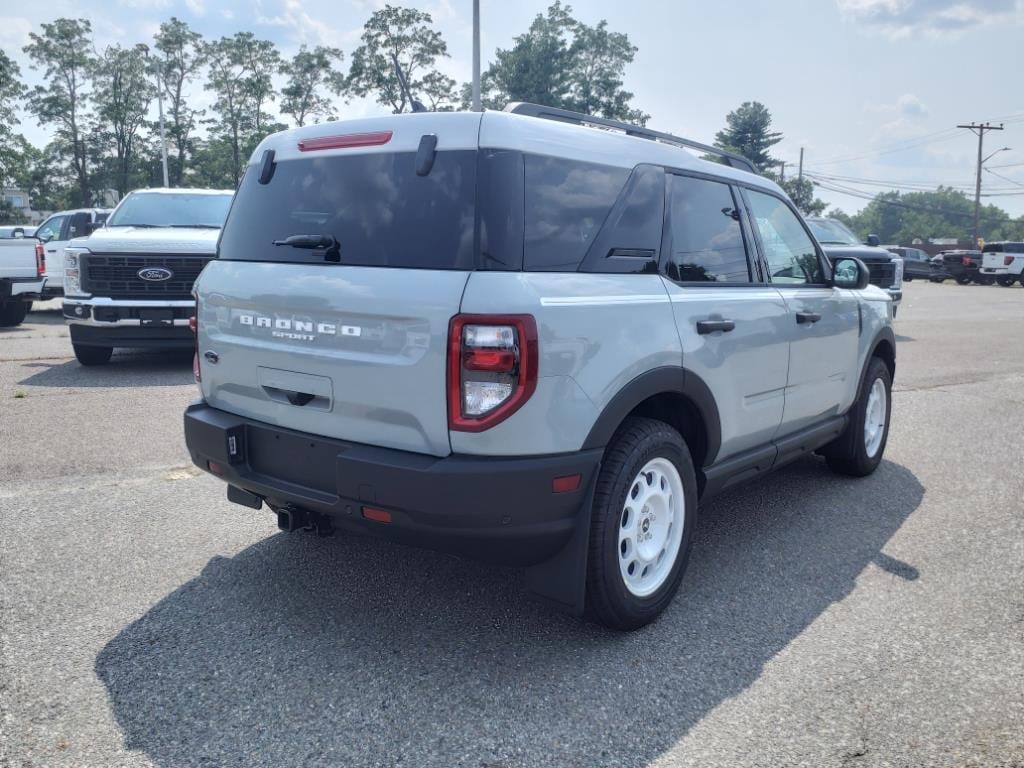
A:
[1004, 178]
[908, 206]
[922, 186]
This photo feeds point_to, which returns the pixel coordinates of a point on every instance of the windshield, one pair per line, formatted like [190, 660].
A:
[832, 232]
[160, 209]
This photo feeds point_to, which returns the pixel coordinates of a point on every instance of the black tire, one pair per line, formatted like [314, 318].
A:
[1006, 282]
[984, 280]
[848, 455]
[963, 279]
[93, 355]
[908, 278]
[13, 313]
[609, 601]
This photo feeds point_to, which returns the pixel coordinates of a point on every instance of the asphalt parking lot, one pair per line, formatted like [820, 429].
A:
[824, 621]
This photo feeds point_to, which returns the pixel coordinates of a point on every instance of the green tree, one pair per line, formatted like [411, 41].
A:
[311, 76]
[260, 61]
[182, 55]
[562, 62]
[801, 192]
[407, 34]
[63, 52]
[748, 133]
[11, 90]
[122, 93]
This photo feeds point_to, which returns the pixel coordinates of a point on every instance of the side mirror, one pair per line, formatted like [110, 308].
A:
[18, 234]
[851, 273]
[873, 240]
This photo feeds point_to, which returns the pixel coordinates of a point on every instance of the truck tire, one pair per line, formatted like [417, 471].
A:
[13, 312]
[645, 508]
[93, 355]
[858, 451]
[963, 279]
[1006, 282]
[984, 280]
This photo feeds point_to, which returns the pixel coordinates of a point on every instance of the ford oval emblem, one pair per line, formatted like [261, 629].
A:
[155, 274]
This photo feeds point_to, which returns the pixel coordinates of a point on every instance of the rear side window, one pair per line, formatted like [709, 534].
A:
[379, 212]
[707, 240]
[566, 203]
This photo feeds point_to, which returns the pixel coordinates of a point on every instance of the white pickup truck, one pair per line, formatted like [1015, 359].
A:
[1004, 261]
[22, 277]
[56, 232]
[129, 284]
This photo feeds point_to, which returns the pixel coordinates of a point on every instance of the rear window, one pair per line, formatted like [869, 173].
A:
[1004, 248]
[374, 205]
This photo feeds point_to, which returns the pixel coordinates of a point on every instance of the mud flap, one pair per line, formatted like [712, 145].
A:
[561, 581]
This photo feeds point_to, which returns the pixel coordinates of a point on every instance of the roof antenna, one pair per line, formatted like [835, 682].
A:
[417, 106]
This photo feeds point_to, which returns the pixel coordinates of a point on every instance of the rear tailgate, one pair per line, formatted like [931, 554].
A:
[18, 258]
[993, 262]
[340, 266]
[354, 353]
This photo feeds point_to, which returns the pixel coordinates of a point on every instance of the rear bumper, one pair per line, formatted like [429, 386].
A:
[23, 288]
[501, 510]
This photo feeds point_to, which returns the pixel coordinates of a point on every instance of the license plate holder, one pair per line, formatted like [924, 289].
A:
[156, 317]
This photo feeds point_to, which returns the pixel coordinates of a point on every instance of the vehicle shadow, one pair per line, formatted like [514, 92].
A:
[299, 651]
[127, 368]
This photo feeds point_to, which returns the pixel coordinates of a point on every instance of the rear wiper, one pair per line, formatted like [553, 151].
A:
[327, 243]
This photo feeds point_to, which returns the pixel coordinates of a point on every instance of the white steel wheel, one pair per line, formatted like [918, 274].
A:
[651, 527]
[874, 417]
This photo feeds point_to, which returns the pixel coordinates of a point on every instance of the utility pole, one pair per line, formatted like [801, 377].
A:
[476, 56]
[979, 130]
[782, 170]
[144, 49]
[800, 172]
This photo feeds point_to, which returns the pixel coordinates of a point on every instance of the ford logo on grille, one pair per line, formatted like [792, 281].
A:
[155, 274]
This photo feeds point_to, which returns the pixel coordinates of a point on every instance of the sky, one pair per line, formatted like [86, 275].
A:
[871, 89]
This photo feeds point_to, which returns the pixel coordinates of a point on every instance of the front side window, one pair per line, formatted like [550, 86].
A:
[788, 249]
[707, 239]
[50, 229]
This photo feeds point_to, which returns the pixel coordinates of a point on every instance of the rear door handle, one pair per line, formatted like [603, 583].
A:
[710, 326]
[807, 317]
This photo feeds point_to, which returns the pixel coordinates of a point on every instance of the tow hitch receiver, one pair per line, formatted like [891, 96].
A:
[291, 518]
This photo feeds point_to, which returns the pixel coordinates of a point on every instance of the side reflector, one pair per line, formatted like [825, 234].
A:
[566, 483]
[377, 515]
[372, 139]
[215, 468]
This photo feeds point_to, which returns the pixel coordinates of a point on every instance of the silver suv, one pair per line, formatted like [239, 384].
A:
[533, 337]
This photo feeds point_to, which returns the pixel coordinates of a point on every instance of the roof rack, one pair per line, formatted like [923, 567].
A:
[578, 118]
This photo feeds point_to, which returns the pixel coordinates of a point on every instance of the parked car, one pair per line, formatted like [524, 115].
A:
[964, 266]
[939, 273]
[916, 263]
[471, 332]
[56, 232]
[839, 241]
[1003, 262]
[22, 278]
[130, 283]
[17, 231]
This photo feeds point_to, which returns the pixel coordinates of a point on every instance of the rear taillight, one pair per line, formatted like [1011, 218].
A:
[966, 261]
[40, 260]
[1007, 261]
[492, 368]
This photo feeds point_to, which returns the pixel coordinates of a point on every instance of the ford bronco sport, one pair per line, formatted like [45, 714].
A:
[531, 336]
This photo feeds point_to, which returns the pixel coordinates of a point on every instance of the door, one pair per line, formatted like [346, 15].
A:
[732, 325]
[50, 233]
[823, 322]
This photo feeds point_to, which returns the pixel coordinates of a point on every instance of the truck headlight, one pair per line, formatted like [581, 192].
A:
[72, 274]
[897, 275]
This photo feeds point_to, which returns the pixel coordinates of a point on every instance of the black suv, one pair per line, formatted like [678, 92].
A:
[838, 241]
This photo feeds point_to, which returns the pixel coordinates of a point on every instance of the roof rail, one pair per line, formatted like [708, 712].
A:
[578, 118]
